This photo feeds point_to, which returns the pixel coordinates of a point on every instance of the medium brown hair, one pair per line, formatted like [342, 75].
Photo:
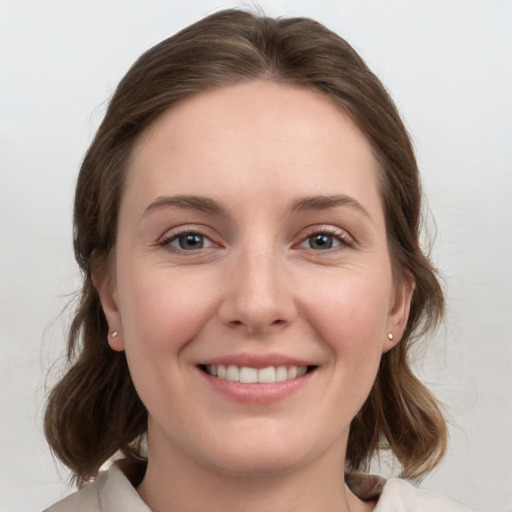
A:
[94, 411]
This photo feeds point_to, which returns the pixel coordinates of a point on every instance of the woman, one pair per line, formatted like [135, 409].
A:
[247, 222]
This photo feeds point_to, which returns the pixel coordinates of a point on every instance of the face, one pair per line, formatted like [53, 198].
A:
[252, 289]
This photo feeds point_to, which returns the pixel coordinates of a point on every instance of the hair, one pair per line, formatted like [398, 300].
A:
[94, 411]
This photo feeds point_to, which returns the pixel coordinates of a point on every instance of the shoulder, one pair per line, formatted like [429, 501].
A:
[400, 496]
[84, 500]
[110, 492]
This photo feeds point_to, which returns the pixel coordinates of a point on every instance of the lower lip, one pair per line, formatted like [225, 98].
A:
[257, 393]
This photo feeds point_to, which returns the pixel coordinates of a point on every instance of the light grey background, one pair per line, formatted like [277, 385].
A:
[448, 65]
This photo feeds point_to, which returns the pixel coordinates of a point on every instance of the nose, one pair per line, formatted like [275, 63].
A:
[259, 295]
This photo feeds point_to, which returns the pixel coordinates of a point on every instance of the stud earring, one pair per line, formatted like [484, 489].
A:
[114, 334]
[391, 337]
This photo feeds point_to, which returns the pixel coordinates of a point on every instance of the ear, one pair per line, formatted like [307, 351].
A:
[400, 305]
[105, 286]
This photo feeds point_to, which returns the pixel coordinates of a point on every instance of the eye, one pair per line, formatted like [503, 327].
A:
[321, 241]
[187, 241]
[326, 240]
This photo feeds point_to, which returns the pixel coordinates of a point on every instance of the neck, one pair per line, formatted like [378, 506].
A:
[177, 483]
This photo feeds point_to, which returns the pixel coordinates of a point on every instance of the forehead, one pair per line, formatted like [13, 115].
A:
[256, 134]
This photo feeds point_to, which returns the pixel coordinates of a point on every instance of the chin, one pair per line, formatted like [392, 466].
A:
[267, 453]
[258, 462]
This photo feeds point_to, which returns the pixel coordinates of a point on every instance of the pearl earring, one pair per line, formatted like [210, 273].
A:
[390, 336]
[114, 334]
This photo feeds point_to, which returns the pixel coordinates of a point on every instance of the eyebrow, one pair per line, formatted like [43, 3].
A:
[189, 202]
[210, 206]
[308, 203]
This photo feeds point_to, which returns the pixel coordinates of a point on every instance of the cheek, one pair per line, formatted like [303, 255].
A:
[350, 314]
[161, 311]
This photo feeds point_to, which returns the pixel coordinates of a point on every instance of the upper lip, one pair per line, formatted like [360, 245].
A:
[256, 360]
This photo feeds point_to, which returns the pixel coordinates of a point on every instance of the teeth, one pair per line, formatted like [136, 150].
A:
[292, 372]
[281, 374]
[233, 373]
[267, 374]
[301, 370]
[249, 375]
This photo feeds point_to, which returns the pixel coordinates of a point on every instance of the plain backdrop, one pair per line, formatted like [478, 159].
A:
[447, 63]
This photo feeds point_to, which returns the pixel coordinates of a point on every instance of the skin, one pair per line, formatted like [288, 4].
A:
[261, 285]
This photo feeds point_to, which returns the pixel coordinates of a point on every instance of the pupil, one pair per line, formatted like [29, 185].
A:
[192, 241]
[321, 242]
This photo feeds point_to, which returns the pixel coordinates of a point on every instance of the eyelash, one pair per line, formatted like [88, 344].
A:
[166, 243]
[339, 235]
[345, 241]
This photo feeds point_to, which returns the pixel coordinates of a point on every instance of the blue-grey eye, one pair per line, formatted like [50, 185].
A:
[322, 241]
[189, 241]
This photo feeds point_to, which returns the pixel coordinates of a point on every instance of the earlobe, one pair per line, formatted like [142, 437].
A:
[107, 294]
[399, 311]
[115, 341]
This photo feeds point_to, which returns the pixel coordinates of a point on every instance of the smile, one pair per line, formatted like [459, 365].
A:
[248, 375]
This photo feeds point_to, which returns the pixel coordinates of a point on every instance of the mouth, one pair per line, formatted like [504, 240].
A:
[249, 375]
